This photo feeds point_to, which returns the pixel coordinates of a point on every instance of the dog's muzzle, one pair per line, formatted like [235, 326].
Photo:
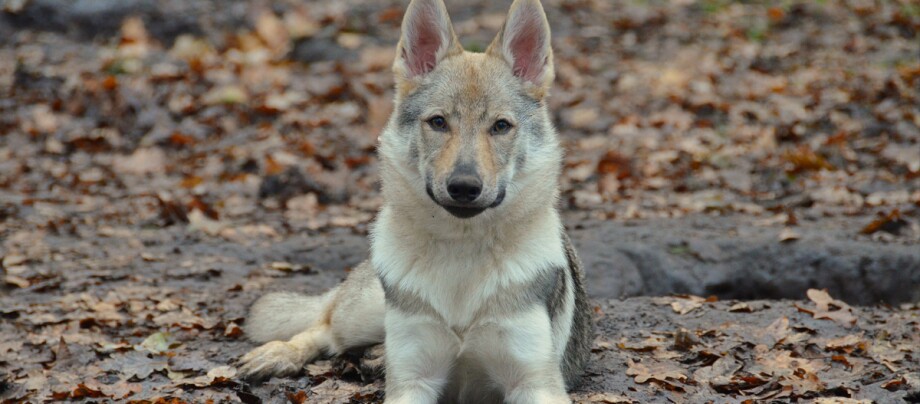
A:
[464, 210]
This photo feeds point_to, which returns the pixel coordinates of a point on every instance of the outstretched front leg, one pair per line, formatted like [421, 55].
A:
[420, 352]
[518, 353]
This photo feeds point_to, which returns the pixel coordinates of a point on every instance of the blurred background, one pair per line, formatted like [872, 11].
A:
[141, 111]
[165, 162]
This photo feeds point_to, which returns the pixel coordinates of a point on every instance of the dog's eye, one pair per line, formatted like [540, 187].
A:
[500, 127]
[438, 123]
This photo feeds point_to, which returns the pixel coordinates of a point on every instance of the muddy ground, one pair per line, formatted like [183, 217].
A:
[148, 313]
[164, 163]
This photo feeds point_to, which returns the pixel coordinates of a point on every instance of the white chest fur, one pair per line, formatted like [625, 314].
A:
[456, 276]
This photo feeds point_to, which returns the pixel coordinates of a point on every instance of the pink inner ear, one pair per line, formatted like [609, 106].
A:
[527, 47]
[424, 40]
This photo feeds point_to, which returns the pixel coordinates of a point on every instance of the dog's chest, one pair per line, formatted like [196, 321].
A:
[458, 278]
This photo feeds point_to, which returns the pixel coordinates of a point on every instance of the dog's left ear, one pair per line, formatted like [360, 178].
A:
[427, 38]
[524, 43]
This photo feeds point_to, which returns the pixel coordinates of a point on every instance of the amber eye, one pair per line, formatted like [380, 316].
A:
[438, 123]
[500, 127]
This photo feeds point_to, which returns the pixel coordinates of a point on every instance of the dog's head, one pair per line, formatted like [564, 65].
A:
[466, 123]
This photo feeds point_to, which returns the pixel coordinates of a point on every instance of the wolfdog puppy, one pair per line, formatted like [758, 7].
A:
[472, 284]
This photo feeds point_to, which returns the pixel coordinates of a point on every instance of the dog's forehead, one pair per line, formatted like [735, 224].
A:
[477, 81]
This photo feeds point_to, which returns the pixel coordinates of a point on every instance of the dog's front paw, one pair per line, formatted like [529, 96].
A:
[276, 358]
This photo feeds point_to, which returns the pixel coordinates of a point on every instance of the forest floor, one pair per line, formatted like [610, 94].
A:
[164, 163]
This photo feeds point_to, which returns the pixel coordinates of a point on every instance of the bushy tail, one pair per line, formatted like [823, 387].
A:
[281, 315]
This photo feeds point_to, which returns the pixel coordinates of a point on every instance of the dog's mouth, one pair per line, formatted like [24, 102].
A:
[466, 211]
[463, 212]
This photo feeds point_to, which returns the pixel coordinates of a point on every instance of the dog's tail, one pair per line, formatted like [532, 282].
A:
[281, 315]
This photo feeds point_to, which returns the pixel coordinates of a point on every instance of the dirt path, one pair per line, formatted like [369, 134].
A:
[147, 314]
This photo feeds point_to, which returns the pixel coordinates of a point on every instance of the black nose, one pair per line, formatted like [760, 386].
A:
[464, 188]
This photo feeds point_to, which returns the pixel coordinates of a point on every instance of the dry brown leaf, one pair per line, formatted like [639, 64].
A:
[272, 30]
[142, 162]
[890, 223]
[847, 343]
[197, 220]
[803, 158]
[134, 364]
[12, 260]
[789, 234]
[829, 308]
[741, 307]
[216, 375]
[233, 331]
[120, 389]
[681, 304]
[16, 281]
[720, 373]
[647, 345]
[615, 164]
[803, 383]
[650, 369]
[841, 400]
[299, 397]
[776, 332]
[228, 94]
[606, 398]
[894, 384]
[886, 353]
[842, 360]
[781, 362]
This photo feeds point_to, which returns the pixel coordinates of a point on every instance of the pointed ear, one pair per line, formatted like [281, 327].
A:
[524, 43]
[427, 38]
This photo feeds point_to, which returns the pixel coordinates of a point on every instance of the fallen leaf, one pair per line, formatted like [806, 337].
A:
[720, 373]
[774, 333]
[134, 364]
[894, 384]
[120, 389]
[159, 342]
[803, 158]
[229, 94]
[789, 234]
[741, 307]
[890, 223]
[199, 221]
[299, 397]
[12, 260]
[272, 30]
[684, 340]
[615, 164]
[151, 160]
[650, 369]
[886, 353]
[216, 375]
[684, 306]
[16, 281]
[842, 360]
[829, 308]
[847, 343]
[233, 331]
[782, 362]
[285, 266]
[606, 398]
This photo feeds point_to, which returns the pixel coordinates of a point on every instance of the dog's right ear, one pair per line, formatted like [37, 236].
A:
[427, 38]
[524, 44]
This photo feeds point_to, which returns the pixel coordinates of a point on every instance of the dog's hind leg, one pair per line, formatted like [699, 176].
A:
[296, 329]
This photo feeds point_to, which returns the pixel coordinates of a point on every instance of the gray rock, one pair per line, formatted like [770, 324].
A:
[732, 259]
